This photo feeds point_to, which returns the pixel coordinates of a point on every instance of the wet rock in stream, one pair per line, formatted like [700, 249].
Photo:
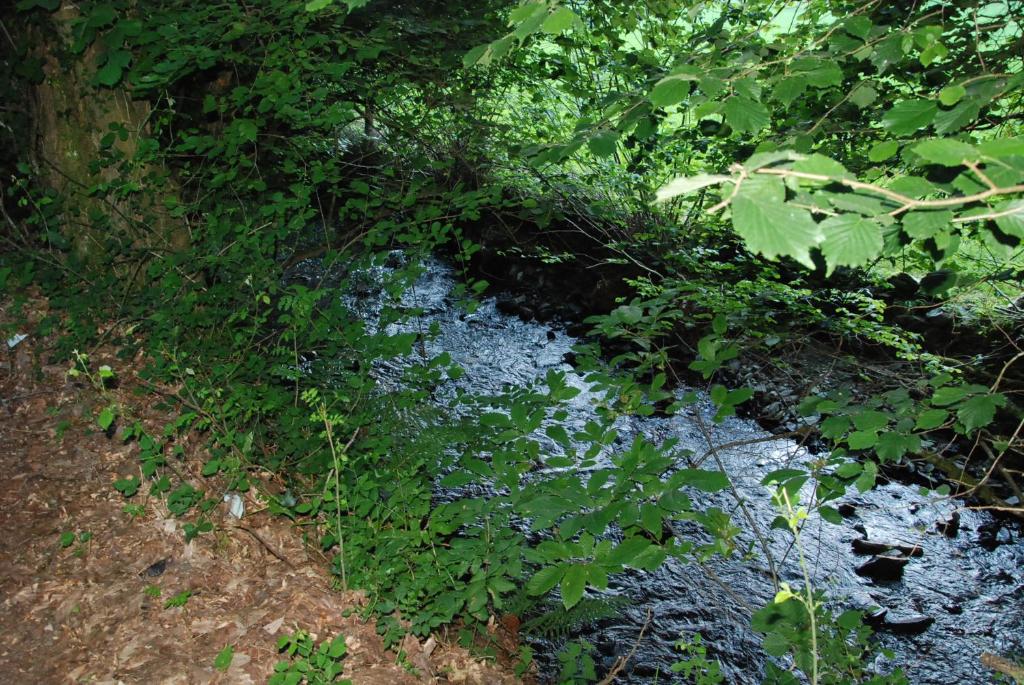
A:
[938, 614]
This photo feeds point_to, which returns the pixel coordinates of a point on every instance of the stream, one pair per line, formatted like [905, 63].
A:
[963, 596]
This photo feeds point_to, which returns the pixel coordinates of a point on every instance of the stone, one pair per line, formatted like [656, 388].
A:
[862, 546]
[883, 569]
[914, 624]
[951, 526]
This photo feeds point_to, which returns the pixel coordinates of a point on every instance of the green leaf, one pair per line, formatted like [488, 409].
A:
[317, 5]
[474, 55]
[831, 515]
[863, 95]
[951, 394]
[687, 184]
[1011, 218]
[525, 11]
[931, 418]
[821, 166]
[923, 225]
[862, 440]
[106, 417]
[338, 648]
[707, 481]
[950, 95]
[573, 583]
[770, 227]
[789, 89]
[109, 75]
[1003, 147]
[980, 410]
[224, 657]
[908, 116]
[745, 115]
[850, 240]
[545, 579]
[882, 151]
[67, 539]
[670, 90]
[559, 21]
[948, 121]
[245, 129]
[866, 481]
[603, 143]
[849, 469]
[946, 152]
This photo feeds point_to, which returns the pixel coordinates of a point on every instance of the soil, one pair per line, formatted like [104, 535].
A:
[95, 611]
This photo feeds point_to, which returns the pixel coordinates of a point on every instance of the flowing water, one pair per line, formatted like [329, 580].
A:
[957, 600]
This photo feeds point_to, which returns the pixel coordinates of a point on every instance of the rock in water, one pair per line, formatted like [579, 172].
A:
[882, 568]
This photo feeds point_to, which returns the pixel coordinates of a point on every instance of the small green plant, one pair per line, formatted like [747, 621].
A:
[224, 657]
[309, 663]
[152, 591]
[179, 600]
[695, 666]
[134, 511]
[577, 664]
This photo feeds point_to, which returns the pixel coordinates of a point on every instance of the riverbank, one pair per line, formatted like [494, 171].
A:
[97, 588]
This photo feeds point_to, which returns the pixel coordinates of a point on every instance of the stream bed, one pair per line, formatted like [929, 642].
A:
[961, 593]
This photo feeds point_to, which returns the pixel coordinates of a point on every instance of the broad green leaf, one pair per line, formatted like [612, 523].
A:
[337, 648]
[862, 440]
[770, 227]
[789, 89]
[745, 115]
[849, 469]
[908, 116]
[669, 91]
[603, 143]
[1011, 218]
[891, 445]
[821, 165]
[525, 11]
[1002, 147]
[858, 26]
[831, 515]
[106, 417]
[951, 394]
[951, 120]
[474, 55]
[573, 583]
[950, 95]
[925, 224]
[946, 152]
[545, 579]
[882, 151]
[688, 184]
[109, 75]
[559, 21]
[933, 53]
[980, 410]
[627, 551]
[850, 241]
[931, 418]
[224, 657]
[863, 95]
[530, 24]
[866, 481]
[707, 481]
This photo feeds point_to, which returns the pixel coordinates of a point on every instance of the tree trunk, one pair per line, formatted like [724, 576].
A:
[113, 202]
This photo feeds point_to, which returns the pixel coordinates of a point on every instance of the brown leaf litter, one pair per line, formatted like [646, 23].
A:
[89, 612]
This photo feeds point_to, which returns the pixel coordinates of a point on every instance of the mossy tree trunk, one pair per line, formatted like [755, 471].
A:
[88, 144]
